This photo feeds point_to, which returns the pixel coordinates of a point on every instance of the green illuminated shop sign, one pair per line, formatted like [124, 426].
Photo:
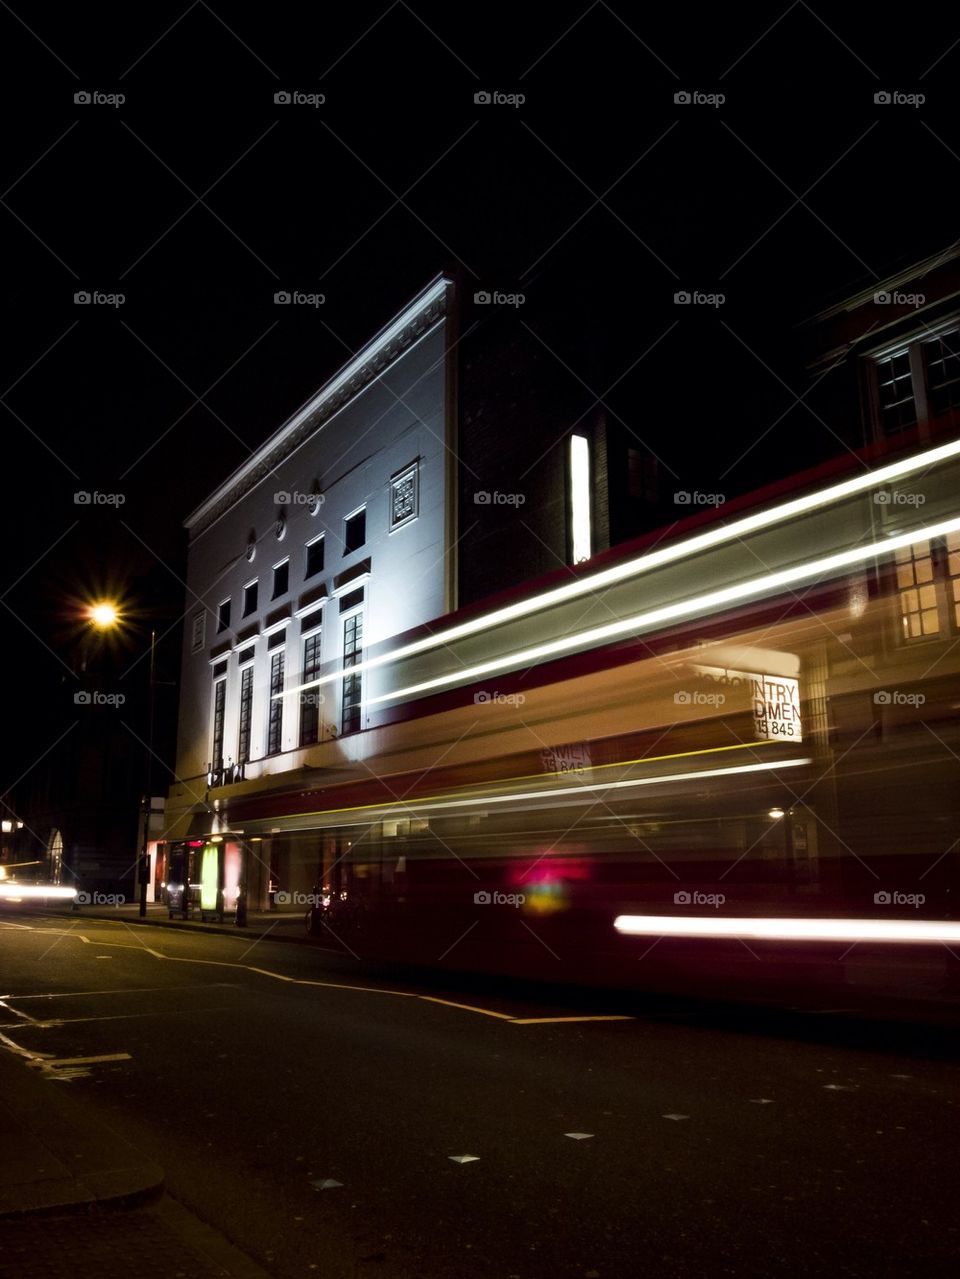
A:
[209, 878]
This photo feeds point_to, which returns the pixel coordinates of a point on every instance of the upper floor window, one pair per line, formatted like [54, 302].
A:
[250, 599]
[405, 496]
[918, 381]
[928, 582]
[314, 563]
[197, 632]
[354, 531]
[281, 579]
[223, 616]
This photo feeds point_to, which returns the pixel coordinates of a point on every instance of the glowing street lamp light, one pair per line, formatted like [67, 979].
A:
[103, 615]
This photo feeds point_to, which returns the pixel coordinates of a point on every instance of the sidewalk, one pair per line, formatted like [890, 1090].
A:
[47, 1161]
[79, 1202]
[281, 925]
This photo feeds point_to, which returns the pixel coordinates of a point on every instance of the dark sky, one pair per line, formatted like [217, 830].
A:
[198, 198]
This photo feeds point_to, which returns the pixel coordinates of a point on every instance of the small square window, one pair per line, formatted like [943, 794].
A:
[314, 558]
[281, 579]
[250, 599]
[223, 617]
[354, 531]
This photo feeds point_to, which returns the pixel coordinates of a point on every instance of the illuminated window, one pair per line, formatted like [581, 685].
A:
[219, 709]
[928, 582]
[580, 518]
[310, 698]
[246, 714]
[281, 579]
[953, 577]
[352, 684]
[314, 563]
[223, 616]
[354, 531]
[249, 599]
[275, 713]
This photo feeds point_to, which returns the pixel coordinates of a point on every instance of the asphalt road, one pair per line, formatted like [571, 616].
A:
[315, 1113]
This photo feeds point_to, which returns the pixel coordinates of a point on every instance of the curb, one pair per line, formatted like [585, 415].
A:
[61, 1167]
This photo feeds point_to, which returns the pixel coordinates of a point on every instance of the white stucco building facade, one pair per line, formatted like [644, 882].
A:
[335, 535]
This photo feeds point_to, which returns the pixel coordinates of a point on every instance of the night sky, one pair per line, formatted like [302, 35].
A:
[598, 198]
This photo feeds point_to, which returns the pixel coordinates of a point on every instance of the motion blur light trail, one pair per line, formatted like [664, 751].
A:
[905, 930]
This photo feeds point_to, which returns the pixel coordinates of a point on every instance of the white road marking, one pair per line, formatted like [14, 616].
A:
[464, 1159]
[578, 1136]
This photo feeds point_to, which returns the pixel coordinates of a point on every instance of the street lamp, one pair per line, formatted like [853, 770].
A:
[105, 615]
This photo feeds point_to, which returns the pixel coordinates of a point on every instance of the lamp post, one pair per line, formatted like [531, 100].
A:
[105, 616]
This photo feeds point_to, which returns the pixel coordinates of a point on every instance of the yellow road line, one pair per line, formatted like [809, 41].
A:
[305, 981]
[469, 1008]
[542, 1021]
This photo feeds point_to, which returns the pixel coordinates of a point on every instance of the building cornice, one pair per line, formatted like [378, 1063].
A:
[379, 353]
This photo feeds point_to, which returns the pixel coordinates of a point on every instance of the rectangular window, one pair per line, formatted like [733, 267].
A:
[642, 477]
[223, 616]
[352, 684]
[198, 631]
[219, 710]
[249, 599]
[314, 558]
[354, 531]
[351, 600]
[581, 531]
[942, 361]
[281, 579]
[275, 714]
[897, 402]
[919, 614]
[310, 698]
[405, 496]
[246, 713]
